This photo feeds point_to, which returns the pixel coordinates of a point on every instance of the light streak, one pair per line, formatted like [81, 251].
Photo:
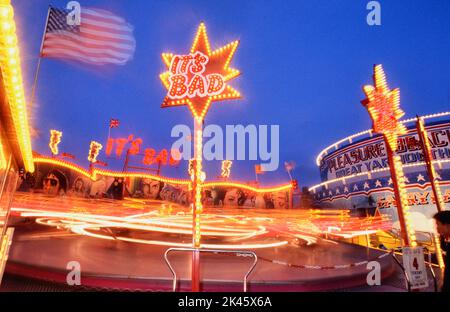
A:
[253, 230]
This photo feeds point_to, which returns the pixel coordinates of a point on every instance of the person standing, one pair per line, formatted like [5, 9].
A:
[442, 219]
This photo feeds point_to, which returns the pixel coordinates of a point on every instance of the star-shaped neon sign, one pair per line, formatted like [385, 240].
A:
[383, 105]
[201, 77]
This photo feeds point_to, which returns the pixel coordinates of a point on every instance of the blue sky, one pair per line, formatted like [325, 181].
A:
[303, 64]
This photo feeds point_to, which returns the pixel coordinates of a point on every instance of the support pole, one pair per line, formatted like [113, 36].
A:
[38, 67]
[395, 166]
[426, 149]
[197, 203]
[126, 162]
[109, 132]
[289, 173]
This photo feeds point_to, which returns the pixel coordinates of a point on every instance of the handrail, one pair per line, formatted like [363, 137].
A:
[251, 253]
[408, 283]
[432, 272]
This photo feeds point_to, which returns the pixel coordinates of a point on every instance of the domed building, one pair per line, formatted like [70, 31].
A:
[355, 172]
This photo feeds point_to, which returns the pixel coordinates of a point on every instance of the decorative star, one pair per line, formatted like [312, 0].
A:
[355, 187]
[377, 183]
[420, 177]
[406, 179]
[345, 189]
[437, 176]
[366, 185]
[330, 193]
[219, 61]
[390, 181]
[383, 105]
[337, 191]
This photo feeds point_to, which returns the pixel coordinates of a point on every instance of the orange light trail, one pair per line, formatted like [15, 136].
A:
[228, 229]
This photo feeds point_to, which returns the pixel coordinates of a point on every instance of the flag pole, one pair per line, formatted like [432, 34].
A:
[38, 67]
[109, 131]
[289, 173]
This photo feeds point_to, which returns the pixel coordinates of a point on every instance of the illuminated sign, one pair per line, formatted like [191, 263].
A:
[13, 83]
[383, 105]
[94, 150]
[191, 167]
[226, 168]
[150, 155]
[370, 154]
[120, 143]
[199, 78]
[187, 77]
[55, 139]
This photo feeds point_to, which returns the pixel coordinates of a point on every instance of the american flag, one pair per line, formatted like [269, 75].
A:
[101, 38]
[114, 123]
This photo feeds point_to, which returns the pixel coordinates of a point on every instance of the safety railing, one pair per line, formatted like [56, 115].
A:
[408, 282]
[430, 265]
[216, 251]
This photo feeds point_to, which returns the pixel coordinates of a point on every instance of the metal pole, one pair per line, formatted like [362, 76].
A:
[197, 205]
[393, 168]
[109, 132]
[38, 67]
[428, 161]
[426, 149]
[125, 164]
[289, 173]
[158, 172]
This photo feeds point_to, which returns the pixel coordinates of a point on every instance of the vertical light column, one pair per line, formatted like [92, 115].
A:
[13, 82]
[198, 179]
[440, 205]
[383, 105]
[401, 198]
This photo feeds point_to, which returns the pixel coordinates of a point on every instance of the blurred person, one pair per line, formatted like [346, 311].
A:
[98, 188]
[442, 219]
[269, 201]
[260, 202]
[169, 193]
[54, 183]
[207, 198]
[279, 200]
[234, 197]
[152, 189]
[116, 189]
[218, 196]
[78, 189]
[183, 198]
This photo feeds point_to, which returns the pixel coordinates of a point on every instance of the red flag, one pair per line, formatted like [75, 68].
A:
[114, 123]
[101, 163]
[259, 169]
[67, 155]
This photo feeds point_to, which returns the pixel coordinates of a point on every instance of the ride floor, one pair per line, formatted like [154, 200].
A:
[45, 241]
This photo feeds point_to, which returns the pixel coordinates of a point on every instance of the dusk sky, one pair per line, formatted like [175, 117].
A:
[302, 63]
